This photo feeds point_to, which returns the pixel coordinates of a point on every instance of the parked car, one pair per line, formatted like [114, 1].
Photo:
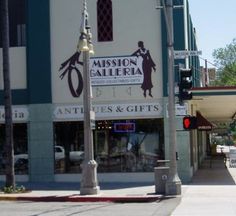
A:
[75, 156]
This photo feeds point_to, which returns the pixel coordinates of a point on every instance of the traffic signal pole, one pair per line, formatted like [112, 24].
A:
[173, 184]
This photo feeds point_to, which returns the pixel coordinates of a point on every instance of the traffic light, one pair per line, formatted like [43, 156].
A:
[185, 84]
[190, 122]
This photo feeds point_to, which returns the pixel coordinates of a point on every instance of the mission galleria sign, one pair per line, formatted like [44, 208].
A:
[123, 70]
[134, 69]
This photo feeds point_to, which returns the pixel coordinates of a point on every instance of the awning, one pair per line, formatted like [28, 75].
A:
[203, 123]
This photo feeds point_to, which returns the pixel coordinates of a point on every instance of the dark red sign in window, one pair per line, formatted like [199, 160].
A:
[124, 127]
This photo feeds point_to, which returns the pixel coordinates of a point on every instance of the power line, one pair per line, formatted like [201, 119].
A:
[209, 62]
[197, 78]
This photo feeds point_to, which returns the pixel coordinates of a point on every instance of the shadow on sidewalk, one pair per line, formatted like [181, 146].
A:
[215, 173]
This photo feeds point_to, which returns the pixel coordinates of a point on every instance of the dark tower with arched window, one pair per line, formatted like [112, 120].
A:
[104, 20]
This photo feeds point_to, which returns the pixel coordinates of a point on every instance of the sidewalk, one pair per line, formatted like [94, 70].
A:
[212, 190]
[69, 192]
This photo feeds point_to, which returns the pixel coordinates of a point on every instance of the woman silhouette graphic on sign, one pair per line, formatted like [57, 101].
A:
[147, 66]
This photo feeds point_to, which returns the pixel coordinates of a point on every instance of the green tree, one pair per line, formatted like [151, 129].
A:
[225, 59]
[8, 145]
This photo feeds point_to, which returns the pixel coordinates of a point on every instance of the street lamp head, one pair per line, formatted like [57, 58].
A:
[91, 50]
[85, 39]
[83, 43]
[90, 44]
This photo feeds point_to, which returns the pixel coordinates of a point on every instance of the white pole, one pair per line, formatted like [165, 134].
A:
[173, 184]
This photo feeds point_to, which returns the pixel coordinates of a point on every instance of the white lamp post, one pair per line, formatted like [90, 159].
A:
[89, 183]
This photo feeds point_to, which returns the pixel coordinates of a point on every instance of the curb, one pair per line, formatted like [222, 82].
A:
[148, 198]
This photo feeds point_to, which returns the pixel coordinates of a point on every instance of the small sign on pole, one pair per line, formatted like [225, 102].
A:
[180, 110]
[92, 119]
[182, 54]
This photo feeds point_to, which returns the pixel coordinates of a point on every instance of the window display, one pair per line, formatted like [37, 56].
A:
[119, 145]
[129, 150]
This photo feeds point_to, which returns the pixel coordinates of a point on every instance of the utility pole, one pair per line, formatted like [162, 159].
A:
[173, 183]
[8, 145]
[206, 77]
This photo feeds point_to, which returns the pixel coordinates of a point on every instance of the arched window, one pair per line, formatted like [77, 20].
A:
[104, 20]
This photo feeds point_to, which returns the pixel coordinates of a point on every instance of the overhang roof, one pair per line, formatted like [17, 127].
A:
[216, 104]
[203, 123]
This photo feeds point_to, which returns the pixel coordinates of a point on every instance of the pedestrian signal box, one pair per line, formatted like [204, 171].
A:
[189, 122]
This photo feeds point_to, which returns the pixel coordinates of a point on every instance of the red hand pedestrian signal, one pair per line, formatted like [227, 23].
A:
[189, 122]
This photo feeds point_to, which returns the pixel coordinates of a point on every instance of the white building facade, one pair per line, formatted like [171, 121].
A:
[129, 91]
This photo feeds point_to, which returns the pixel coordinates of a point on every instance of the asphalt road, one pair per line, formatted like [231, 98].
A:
[160, 208]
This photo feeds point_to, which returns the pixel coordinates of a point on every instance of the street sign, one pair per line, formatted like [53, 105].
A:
[180, 110]
[182, 54]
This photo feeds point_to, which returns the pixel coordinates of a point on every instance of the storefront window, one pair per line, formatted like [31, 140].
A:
[20, 148]
[128, 146]
[69, 146]
[119, 146]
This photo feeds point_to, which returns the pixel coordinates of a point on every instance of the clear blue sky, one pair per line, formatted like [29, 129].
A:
[215, 23]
